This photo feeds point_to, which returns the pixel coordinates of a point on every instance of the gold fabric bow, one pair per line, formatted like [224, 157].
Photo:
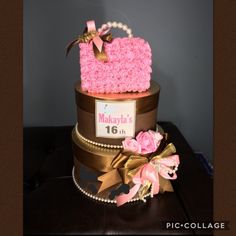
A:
[126, 165]
[98, 47]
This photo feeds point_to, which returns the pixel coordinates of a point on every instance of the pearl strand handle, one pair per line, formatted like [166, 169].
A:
[118, 25]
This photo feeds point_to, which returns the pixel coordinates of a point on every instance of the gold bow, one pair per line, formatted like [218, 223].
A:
[87, 37]
[126, 164]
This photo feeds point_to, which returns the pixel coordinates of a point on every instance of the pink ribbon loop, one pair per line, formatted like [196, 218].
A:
[149, 173]
[146, 173]
[91, 25]
[96, 40]
[166, 164]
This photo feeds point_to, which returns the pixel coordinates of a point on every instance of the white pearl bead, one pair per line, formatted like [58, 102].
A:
[119, 25]
[125, 27]
[114, 24]
[129, 31]
[109, 23]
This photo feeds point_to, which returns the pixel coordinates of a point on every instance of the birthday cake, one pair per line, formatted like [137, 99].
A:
[120, 153]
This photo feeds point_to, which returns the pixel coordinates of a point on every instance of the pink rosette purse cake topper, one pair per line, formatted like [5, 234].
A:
[113, 65]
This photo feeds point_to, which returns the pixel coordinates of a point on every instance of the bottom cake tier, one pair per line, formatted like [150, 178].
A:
[88, 188]
[97, 175]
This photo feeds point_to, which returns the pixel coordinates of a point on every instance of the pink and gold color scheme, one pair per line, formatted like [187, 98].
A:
[147, 175]
[120, 153]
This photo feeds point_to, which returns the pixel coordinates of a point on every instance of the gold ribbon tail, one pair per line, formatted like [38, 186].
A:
[71, 45]
[144, 189]
[86, 38]
[165, 185]
[101, 56]
[109, 179]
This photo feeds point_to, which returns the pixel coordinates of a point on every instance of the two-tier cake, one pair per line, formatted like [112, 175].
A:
[120, 153]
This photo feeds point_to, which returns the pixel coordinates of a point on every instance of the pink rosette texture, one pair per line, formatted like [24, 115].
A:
[128, 67]
[131, 145]
[156, 136]
[147, 142]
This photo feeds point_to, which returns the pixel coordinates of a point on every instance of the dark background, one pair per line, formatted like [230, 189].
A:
[179, 33]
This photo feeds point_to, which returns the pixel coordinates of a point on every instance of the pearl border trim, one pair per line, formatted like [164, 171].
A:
[115, 24]
[95, 143]
[102, 199]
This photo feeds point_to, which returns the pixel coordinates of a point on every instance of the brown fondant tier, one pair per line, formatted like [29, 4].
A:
[146, 111]
[90, 162]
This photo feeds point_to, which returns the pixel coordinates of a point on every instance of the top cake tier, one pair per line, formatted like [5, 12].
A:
[109, 118]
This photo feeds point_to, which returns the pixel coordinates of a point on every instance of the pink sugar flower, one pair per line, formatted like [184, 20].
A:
[131, 145]
[147, 142]
[156, 136]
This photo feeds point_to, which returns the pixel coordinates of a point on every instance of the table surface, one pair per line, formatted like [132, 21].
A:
[53, 205]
